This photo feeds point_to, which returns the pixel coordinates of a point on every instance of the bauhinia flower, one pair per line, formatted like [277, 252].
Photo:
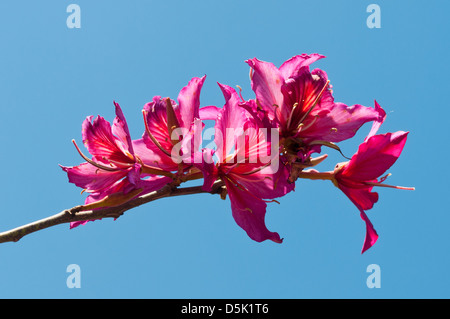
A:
[300, 103]
[113, 174]
[173, 131]
[357, 177]
[243, 164]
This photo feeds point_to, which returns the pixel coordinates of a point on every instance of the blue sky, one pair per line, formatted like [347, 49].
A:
[52, 77]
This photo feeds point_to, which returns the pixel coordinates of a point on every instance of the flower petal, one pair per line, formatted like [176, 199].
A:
[149, 156]
[339, 123]
[293, 65]
[371, 234]
[189, 102]
[266, 82]
[363, 197]
[249, 213]
[92, 178]
[374, 156]
[209, 112]
[156, 122]
[230, 120]
[101, 143]
[303, 94]
[208, 168]
[120, 129]
[377, 123]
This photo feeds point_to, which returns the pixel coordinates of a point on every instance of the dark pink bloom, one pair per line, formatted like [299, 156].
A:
[114, 168]
[250, 184]
[301, 104]
[170, 125]
[112, 153]
[357, 177]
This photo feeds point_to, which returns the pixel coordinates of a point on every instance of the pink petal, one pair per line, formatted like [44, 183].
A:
[363, 197]
[266, 82]
[101, 143]
[339, 123]
[371, 234]
[191, 143]
[249, 213]
[208, 168]
[293, 65]
[209, 112]
[120, 129]
[157, 124]
[92, 178]
[262, 118]
[374, 156]
[377, 123]
[79, 223]
[263, 182]
[230, 119]
[300, 95]
[189, 101]
[151, 156]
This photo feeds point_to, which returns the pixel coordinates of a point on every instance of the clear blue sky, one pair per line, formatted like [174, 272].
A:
[52, 77]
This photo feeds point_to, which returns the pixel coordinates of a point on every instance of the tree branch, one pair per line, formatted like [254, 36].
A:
[78, 214]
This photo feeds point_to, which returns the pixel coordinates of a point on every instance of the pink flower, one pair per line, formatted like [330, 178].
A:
[173, 131]
[250, 184]
[113, 175]
[112, 153]
[300, 103]
[357, 177]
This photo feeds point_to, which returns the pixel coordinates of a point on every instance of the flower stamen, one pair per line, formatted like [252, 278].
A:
[105, 168]
[389, 186]
[315, 101]
[147, 129]
[291, 114]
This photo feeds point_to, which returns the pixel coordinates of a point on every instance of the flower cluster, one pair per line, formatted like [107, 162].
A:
[261, 146]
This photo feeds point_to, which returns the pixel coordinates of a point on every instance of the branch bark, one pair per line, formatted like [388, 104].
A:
[78, 214]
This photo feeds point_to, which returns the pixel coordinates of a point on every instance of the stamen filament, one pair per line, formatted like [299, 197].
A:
[291, 114]
[147, 129]
[302, 126]
[109, 169]
[389, 186]
[240, 93]
[315, 101]
[117, 162]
